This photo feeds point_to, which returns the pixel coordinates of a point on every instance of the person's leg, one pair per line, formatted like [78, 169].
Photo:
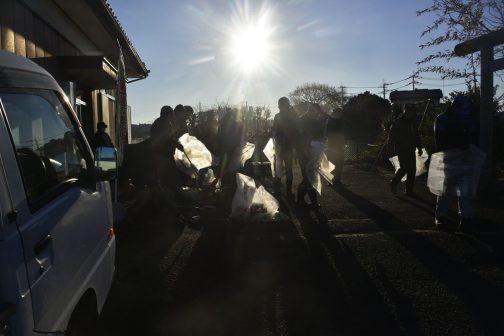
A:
[312, 195]
[465, 203]
[396, 179]
[443, 203]
[408, 161]
[287, 156]
[301, 193]
[339, 157]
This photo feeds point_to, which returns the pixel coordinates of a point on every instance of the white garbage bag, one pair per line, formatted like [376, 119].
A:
[184, 165]
[263, 198]
[420, 163]
[244, 195]
[197, 152]
[318, 165]
[240, 156]
[273, 155]
[250, 202]
[326, 167]
[459, 169]
[208, 177]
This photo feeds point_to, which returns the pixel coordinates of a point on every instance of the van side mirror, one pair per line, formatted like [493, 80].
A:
[106, 163]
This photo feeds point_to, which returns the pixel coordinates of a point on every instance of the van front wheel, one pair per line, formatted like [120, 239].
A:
[84, 319]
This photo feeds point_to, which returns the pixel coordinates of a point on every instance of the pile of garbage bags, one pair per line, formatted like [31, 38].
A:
[252, 203]
[459, 169]
[420, 163]
[196, 158]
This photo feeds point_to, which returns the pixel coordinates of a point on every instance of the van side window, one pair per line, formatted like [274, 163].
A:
[48, 148]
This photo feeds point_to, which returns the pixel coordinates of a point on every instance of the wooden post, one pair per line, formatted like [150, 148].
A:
[487, 108]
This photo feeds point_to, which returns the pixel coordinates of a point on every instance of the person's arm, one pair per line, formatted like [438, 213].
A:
[417, 139]
[274, 128]
[108, 140]
[441, 133]
[391, 139]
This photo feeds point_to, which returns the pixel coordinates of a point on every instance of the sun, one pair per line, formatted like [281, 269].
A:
[250, 47]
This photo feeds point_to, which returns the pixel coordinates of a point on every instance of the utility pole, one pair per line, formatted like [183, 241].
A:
[413, 80]
[384, 89]
[342, 95]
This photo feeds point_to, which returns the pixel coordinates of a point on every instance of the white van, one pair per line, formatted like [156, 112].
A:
[57, 244]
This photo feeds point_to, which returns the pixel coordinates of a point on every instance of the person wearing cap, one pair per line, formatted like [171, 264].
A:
[403, 139]
[286, 132]
[101, 138]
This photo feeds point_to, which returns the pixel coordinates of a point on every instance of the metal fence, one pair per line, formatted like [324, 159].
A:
[355, 151]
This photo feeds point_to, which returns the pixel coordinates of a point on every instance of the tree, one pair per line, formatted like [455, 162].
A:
[457, 21]
[363, 116]
[325, 95]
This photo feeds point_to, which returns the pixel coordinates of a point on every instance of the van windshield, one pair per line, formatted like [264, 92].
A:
[47, 144]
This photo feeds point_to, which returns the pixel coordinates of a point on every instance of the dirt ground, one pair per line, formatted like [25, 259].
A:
[367, 263]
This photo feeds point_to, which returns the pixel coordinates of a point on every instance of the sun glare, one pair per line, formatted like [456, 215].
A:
[250, 47]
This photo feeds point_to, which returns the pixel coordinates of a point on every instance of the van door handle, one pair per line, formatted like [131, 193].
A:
[42, 244]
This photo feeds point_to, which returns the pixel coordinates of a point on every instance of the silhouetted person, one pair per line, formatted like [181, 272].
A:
[230, 139]
[454, 130]
[158, 128]
[314, 125]
[164, 141]
[336, 144]
[180, 120]
[101, 138]
[404, 138]
[287, 134]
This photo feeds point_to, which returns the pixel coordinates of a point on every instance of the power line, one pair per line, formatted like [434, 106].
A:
[399, 81]
[401, 86]
[381, 86]
[438, 79]
[443, 85]
[363, 87]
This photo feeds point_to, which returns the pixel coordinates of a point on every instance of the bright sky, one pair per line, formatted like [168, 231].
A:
[197, 50]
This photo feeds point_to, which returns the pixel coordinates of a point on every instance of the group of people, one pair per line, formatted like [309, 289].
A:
[293, 136]
[454, 129]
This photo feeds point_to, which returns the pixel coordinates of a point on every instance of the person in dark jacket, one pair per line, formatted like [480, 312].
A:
[404, 138]
[101, 138]
[230, 138]
[164, 141]
[336, 144]
[286, 132]
[180, 119]
[314, 126]
[455, 130]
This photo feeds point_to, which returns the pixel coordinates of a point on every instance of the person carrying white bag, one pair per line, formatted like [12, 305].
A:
[404, 138]
[286, 134]
[455, 170]
[314, 122]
